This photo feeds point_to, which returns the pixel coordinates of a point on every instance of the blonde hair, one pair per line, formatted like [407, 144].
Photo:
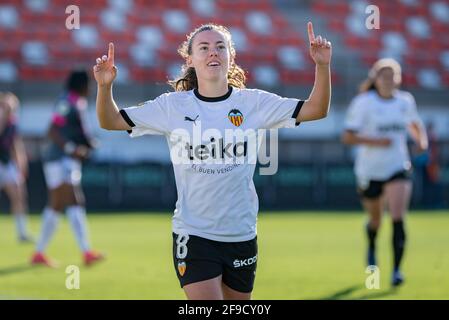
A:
[10, 99]
[370, 82]
[188, 79]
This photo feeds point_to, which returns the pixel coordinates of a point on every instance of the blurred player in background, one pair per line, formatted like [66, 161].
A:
[69, 146]
[13, 164]
[214, 224]
[378, 120]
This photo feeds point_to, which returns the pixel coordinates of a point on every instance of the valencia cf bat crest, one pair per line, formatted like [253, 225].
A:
[181, 267]
[236, 117]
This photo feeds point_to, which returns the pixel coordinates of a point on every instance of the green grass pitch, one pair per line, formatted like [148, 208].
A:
[304, 255]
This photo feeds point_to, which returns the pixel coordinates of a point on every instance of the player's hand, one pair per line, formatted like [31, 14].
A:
[320, 49]
[81, 152]
[419, 149]
[105, 71]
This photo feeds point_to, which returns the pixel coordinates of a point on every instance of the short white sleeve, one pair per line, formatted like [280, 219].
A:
[150, 117]
[411, 111]
[355, 114]
[276, 111]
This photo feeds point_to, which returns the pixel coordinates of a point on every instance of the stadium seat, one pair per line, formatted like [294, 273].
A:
[440, 11]
[266, 75]
[408, 32]
[176, 21]
[150, 35]
[259, 23]
[429, 78]
[418, 27]
[240, 38]
[9, 17]
[146, 36]
[291, 58]
[203, 8]
[444, 59]
[8, 71]
[446, 79]
[35, 52]
[87, 36]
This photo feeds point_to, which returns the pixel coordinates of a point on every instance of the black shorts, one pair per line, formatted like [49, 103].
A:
[373, 189]
[196, 259]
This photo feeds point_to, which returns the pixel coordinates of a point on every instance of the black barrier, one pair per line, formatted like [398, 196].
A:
[151, 186]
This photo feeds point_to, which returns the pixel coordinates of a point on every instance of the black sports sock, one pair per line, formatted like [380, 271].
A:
[398, 242]
[372, 234]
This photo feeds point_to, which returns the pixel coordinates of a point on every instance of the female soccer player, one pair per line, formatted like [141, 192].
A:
[378, 120]
[214, 223]
[69, 146]
[13, 163]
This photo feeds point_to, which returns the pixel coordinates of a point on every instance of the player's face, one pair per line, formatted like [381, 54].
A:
[210, 56]
[385, 80]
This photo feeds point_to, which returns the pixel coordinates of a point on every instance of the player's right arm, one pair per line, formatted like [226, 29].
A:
[352, 137]
[108, 113]
[354, 122]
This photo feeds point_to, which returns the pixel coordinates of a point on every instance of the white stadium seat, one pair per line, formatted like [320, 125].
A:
[266, 75]
[204, 8]
[259, 22]
[429, 78]
[35, 52]
[8, 17]
[8, 71]
[418, 27]
[87, 36]
[176, 21]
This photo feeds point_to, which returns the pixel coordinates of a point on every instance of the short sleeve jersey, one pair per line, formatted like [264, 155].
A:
[373, 116]
[217, 199]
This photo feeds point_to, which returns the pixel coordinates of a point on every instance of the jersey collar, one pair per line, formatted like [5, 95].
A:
[213, 99]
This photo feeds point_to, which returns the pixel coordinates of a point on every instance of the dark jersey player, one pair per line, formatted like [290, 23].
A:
[13, 164]
[69, 146]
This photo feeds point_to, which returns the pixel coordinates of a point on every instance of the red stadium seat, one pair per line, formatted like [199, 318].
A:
[445, 79]
[46, 27]
[409, 79]
[140, 74]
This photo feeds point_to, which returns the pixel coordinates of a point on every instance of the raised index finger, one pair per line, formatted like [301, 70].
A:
[111, 52]
[310, 32]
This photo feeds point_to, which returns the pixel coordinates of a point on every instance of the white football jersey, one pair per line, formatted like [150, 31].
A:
[217, 199]
[373, 116]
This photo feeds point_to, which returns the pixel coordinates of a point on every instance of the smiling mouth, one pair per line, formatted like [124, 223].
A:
[213, 64]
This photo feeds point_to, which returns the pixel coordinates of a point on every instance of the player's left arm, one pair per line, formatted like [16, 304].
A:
[89, 141]
[415, 125]
[20, 156]
[419, 135]
[317, 106]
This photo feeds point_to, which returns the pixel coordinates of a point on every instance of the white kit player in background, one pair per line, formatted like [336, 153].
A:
[217, 204]
[378, 121]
